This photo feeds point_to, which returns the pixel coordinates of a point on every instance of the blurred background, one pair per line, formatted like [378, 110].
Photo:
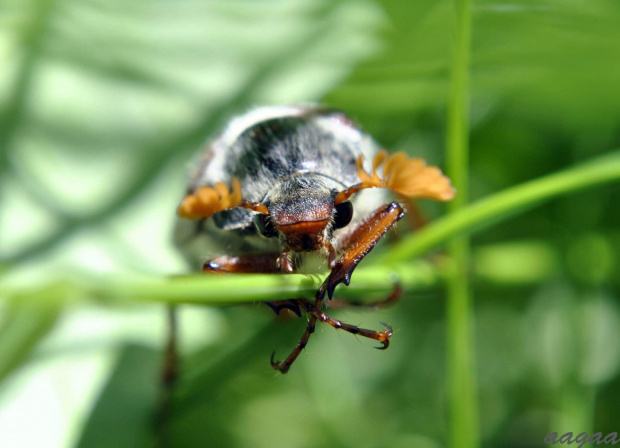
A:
[103, 104]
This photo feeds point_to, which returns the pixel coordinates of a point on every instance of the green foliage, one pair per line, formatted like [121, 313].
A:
[102, 104]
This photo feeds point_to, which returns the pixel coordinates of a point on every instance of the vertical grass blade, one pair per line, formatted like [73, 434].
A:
[459, 338]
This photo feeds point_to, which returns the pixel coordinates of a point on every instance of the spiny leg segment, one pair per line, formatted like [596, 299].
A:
[381, 336]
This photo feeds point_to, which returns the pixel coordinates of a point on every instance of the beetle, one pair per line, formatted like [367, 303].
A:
[292, 189]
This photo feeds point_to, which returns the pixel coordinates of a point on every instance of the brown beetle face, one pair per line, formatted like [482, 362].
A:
[305, 235]
[301, 209]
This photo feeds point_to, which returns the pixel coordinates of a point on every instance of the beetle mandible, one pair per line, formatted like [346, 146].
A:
[288, 188]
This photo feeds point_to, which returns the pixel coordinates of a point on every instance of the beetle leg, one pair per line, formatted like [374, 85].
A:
[284, 263]
[255, 264]
[316, 314]
[283, 366]
[360, 241]
[381, 336]
[244, 264]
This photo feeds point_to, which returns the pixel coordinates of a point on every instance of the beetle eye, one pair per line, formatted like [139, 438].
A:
[343, 215]
[265, 225]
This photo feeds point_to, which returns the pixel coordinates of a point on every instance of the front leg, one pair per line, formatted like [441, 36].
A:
[246, 264]
[357, 243]
[255, 264]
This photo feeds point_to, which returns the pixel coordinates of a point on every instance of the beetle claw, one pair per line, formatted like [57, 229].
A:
[279, 305]
[387, 333]
[336, 277]
[385, 345]
[274, 364]
[279, 365]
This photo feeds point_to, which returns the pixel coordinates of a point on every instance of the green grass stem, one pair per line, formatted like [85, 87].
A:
[463, 403]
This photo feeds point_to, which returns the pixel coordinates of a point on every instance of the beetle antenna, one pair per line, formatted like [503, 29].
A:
[207, 201]
[407, 177]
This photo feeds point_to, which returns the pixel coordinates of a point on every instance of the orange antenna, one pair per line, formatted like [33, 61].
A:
[207, 201]
[408, 177]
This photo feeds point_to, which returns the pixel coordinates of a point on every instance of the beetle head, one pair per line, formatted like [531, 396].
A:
[302, 212]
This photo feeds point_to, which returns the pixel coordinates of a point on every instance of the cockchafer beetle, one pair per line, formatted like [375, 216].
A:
[286, 189]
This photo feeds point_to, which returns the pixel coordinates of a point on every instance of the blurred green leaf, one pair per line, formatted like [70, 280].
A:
[124, 415]
[94, 66]
[27, 320]
[545, 61]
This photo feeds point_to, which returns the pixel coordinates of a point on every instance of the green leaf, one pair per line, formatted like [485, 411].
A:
[162, 93]
[27, 320]
[124, 414]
